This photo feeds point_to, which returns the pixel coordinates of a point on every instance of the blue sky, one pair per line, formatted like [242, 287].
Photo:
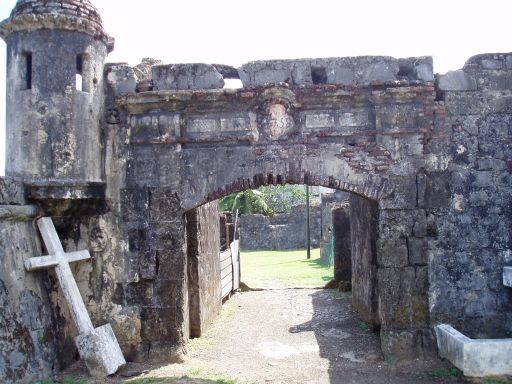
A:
[237, 31]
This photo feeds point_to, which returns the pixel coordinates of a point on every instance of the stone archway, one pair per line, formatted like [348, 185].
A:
[192, 147]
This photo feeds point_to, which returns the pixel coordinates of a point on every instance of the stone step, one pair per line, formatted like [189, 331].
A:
[475, 358]
[507, 276]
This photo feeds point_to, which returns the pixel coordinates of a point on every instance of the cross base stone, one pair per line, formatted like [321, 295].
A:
[100, 351]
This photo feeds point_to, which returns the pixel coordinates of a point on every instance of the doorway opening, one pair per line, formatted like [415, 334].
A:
[257, 239]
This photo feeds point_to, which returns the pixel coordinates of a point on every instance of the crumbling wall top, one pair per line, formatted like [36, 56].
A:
[79, 15]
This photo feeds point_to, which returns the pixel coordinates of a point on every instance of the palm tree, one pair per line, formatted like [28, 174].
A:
[246, 202]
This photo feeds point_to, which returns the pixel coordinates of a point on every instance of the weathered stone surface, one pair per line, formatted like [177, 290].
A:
[281, 231]
[418, 252]
[121, 77]
[456, 81]
[433, 162]
[342, 71]
[12, 191]
[363, 237]
[204, 273]
[342, 244]
[97, 347]
[27, 339]
[100, 351]
[186, 76]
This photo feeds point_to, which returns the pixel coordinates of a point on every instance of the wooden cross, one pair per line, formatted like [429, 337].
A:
[60, 260]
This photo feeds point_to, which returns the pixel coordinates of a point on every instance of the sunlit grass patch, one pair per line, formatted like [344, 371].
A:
[290, 268]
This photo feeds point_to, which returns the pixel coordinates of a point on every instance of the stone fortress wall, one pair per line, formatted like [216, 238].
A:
[282, 231]
[427, 159]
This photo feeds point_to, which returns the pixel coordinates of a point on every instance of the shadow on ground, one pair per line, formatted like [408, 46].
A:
[354, 352]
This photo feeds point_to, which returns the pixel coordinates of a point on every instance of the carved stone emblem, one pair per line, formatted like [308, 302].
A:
[278, 122]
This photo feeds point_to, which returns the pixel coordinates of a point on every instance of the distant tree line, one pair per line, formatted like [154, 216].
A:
[266, 200]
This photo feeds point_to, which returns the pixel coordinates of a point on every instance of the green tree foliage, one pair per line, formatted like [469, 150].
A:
[282, 198]
[266, 200]
[247, 202]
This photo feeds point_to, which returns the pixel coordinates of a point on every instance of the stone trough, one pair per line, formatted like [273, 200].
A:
[507, 276]
[476, 358]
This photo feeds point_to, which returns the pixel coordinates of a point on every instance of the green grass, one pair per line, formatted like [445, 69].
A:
[66, 380]
[497, 381]
[442, 372]
[195, 376]
[288, 268]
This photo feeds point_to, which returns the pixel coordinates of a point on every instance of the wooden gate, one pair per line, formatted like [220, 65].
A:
[230, 265]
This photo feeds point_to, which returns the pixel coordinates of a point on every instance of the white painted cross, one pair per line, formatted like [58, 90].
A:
[98, 347]
[60, 260]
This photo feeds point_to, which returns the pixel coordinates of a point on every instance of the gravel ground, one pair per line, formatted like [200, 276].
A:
[293, 336]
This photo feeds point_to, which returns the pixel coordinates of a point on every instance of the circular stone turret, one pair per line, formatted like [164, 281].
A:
[74, 15]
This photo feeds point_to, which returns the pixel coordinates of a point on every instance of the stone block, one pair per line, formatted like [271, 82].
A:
[478, 198]
[475, 358]
[159, 324]
[134, 204]
[403, 193]
[508, 61]
[420, 226]
[186, 76]
[401, 344]
[380, 72]
[507, 276]
[456, 81]
[399, 118]
[392, 253]
[493, 64]
[120, 78]
[488, 164]
[148, 266]
[165, 205]
[418, 251]
[416, 68]
[434, 190]
[12, 191]
[340, 75]
[172, 262]
[100, 351]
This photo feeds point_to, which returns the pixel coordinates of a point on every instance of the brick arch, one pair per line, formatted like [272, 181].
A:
[371, 191]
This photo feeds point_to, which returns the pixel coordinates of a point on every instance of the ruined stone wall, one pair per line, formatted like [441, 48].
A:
[470, 199]
[363, 221]
[366, 137]
[329, 202]
[28, 345]
[430, 162]
[281, 231]
[204, 278]
[342, 243]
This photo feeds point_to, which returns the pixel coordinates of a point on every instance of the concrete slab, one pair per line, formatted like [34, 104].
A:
[475, 358]
[507, 276]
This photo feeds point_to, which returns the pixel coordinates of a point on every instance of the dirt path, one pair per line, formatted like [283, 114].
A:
[295, 336]
[287, 336]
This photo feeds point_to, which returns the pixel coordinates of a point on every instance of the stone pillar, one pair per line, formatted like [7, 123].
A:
[342, 244]
[402, 272]
[204, 276]
[363, 237]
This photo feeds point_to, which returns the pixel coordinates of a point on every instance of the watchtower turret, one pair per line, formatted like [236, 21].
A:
[55, 56]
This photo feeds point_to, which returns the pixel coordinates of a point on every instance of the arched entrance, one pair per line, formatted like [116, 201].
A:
[191, 147]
